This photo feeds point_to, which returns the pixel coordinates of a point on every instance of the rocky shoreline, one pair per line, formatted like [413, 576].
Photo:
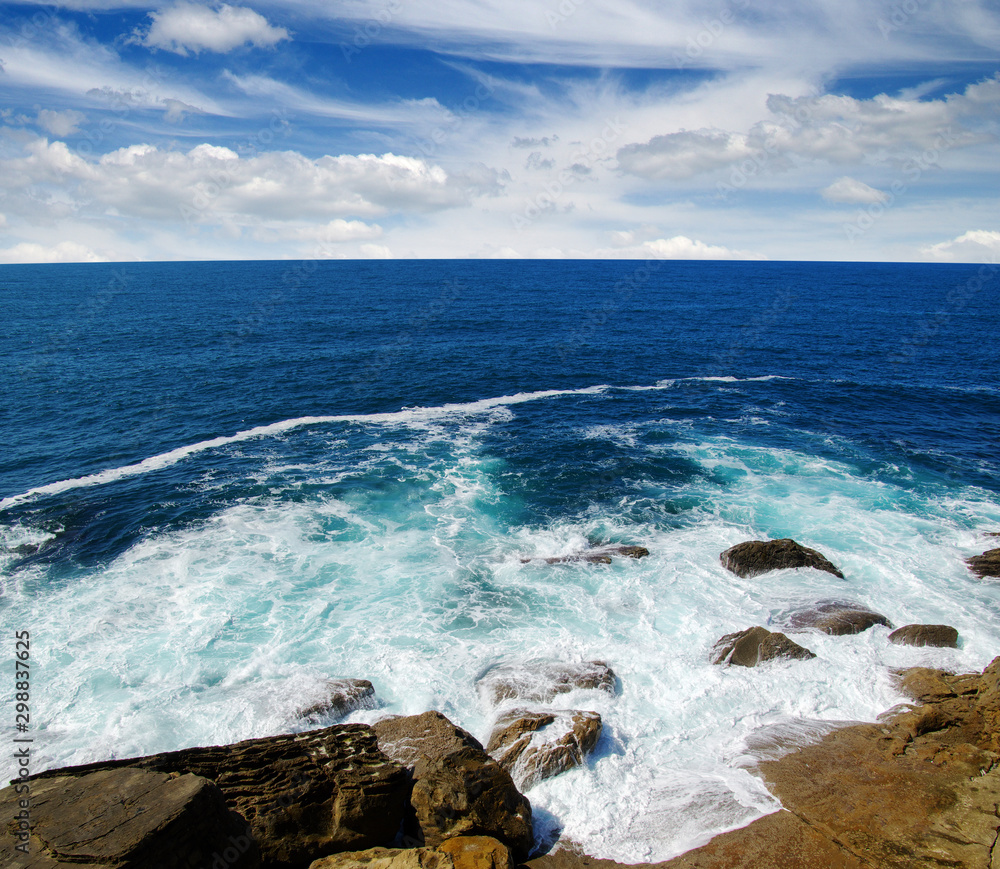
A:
[919, 788]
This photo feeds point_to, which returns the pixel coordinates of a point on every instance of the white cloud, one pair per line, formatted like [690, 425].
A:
[60, 123]
[64, 252]
[852, 192]
[375, 251]
[838, 130]
[977, 245]
[188, 26]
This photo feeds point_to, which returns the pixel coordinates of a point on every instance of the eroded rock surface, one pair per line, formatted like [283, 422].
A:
[755, 557]
[462, 852]
[305, 795]
[126, 818]
[754, 646]
[536, 744]
[542, 681]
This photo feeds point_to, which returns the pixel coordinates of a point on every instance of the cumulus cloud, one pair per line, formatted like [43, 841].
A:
[187, 27]
[977, 245]
[677, 247]
[64, 252]
[852, 192]
[839, 130]
[210, 184]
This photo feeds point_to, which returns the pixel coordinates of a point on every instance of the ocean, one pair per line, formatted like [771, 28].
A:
[224, 483]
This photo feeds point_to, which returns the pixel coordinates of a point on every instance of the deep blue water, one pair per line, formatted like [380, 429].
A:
[468, 414]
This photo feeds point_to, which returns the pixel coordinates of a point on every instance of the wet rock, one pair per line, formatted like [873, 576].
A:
[305, 795]
[836, 618]
[533, 745]
[341, 697]
[458, 789]
[985, 565]
[597, 555]
[755, 645]
[125, 818]
[755, 557]
[542, 681]
[941, 636]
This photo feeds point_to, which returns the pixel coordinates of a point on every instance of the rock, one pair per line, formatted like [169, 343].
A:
[462, 852]
[467, 793]
[597, 555]
[754, 645]
[341, 697]
[761, 556]
[542, 681]
[415, 740]
[836, 618]
[535, 745]
[305, 795]
[942, 636]
[929, 685]
[387, 858]
[987, 564]
[477, 852]
[126, 818]
[458, 789]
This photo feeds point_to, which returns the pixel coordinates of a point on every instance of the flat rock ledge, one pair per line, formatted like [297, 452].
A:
[533, 744]
[304, 795]
[462, 852]
[755, 557]
[985, 565]
[919, 789]
[754, 646]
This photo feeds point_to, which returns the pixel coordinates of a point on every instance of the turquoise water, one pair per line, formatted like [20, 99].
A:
[224, 483]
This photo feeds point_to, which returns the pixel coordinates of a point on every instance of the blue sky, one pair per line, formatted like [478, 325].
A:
[779, 129]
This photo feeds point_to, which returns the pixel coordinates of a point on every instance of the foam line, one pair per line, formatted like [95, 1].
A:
[407, 415]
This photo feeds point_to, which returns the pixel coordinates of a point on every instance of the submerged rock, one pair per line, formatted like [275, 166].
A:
[598, 555]
[125, 818]
[458, 789]
[542, 681]
[305, 795]
[754, 646]
[533, 745]
[341, 697]
[941, 636]
[755, 557]
[836, 618]
[987, 564]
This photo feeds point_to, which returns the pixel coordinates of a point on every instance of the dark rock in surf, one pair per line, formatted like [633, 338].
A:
[836, 618]
[755, 557]
[125, 818]
[940, 636]
[537, 744]
[985, 565]
[754, 646]
[598, 555]
[542, 681]
[341, 697]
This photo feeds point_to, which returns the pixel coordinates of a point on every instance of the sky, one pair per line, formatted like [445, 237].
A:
[859, 130]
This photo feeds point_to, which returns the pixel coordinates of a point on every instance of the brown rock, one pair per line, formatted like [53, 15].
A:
[341, 697]
[542, 681]
[477, 852]
[467, 793]
[125, 818]
[458, 789]
[535, 745]
[755, 645]
[305, 795]
[761, 556]
[987, 564]
[941, 636]
[386, 858]
[836, 618]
